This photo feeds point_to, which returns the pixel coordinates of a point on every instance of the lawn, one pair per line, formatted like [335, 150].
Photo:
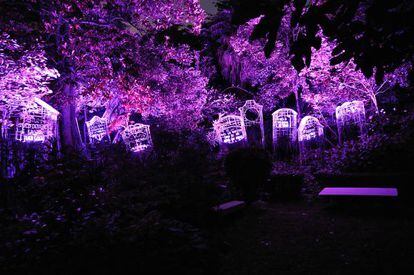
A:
[315, 238]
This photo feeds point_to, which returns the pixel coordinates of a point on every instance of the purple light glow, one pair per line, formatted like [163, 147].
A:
[359, 191]
[137, 137]
[97, 129]
[350, 114]
[309, 128]
[285, 122]
[37, 123]
[230, 129]
[252, 114]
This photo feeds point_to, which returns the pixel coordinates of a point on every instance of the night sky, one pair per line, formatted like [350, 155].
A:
[208, 6]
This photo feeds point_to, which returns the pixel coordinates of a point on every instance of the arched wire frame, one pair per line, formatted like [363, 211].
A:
[256, 110]
[285, 122]
[37, 122]
[97, 129]
[230, 129]
[350, 114]
[137, 137]
[310, 131]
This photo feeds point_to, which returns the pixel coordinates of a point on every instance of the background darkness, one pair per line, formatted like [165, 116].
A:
[209, 6]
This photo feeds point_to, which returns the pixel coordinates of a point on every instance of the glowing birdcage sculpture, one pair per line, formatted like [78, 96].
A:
[284, 126]
[310, 133]
[230, 129]
[252, 114]
[97, 129]
[350, 119]
[37, 122]
[137, 137]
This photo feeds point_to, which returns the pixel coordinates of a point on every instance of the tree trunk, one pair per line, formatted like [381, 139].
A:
[230, 67]
[71, 139]
[298, 97]
[374, 100]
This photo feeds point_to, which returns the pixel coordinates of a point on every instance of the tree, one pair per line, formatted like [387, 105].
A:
[24, 74]
[272, 78]
[326, 85]
[376, 35]
[100, 50]
[321, 84]
[168, 86]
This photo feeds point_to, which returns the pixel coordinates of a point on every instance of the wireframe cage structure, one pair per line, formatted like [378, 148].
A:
[34, 123]
[137, 137]
[230, 129]
[350, 120]
[310, 134]
[97, 129]
[285, 122]
[284, 133]
[37, 122]
[252, 114]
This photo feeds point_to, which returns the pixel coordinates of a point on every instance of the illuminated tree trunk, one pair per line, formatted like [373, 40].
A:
[374, 100]
[298, 98]
[71, 138]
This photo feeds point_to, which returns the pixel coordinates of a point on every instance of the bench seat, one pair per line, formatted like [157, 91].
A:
[359, 191]
[229, 207]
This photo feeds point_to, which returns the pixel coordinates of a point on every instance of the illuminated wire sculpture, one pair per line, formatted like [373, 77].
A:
[37, 122]
[137, 137]
[284, 125]
[310, 133]
[252, 114]
[309, 128]
[350, 120]
[230, 129]
[97, 129]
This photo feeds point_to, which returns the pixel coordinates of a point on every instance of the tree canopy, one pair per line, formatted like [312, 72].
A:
[377, 35]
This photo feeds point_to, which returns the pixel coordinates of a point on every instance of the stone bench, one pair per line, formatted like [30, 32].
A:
[229, 207]
[358, 192]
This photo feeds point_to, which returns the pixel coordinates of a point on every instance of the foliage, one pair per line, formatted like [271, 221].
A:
[24, 73]
[160, 61]
[326, 85]
[375, 34]
[248, 168]
[273, 77]
[118, 210]
[110, 56]
[321, 85]
[387, 147]
[272, 12]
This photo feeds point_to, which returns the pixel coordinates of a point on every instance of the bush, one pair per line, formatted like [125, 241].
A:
[285, 186]
[387, 148]
[248, 168]
[138, 214]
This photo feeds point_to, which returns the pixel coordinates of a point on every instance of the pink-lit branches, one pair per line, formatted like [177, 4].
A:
[24, 74]
[116, 59]
[161, 14]
[323, 86]
[326, 85]
[274, 77]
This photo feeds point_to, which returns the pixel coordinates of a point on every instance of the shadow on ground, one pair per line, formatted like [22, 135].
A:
[318, 238]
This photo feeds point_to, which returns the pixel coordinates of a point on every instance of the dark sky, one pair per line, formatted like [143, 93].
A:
[208, 6]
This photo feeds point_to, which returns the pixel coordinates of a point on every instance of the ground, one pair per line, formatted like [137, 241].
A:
[315, 238]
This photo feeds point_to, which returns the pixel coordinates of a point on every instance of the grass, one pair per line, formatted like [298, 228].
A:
[302, 238]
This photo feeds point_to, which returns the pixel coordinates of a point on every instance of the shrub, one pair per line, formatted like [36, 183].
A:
[248, 168]
[115, 212]
[285, 186]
